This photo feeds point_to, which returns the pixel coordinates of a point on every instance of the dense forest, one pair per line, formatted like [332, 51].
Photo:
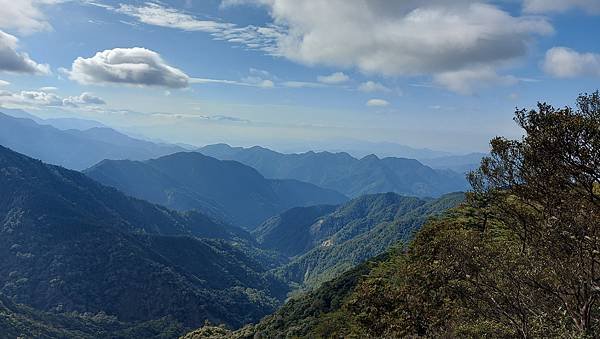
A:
[520, 258]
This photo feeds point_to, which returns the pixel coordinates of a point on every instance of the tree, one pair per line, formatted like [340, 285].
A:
[545, 189]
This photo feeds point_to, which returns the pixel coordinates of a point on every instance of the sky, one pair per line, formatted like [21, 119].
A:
[289, 74]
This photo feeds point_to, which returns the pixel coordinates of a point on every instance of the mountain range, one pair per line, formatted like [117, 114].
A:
[80, 259]
[225, 189]
[74, 148]
[344, 173]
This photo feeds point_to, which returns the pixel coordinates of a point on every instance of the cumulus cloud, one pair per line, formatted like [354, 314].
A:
[24, 16]
[564, 62]
[11, 60]
[545, 6]
[467, 80]
[401, 37]
[377, 103]
[4, 83]
[334, 78]
[372, 86]
[47, 99]
[132, 66]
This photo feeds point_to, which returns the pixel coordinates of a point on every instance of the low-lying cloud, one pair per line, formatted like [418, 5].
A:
[41, 98]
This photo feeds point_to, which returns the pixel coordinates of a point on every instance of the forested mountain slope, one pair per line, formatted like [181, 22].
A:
[70, 244]
[359, 230]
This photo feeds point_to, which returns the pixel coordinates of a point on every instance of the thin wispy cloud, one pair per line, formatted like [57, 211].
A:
[262, 38]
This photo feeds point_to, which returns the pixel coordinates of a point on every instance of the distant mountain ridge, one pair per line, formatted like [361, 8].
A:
[60, 123]
[190, 180]
[344, 173]
[75, 149]
[458, 163]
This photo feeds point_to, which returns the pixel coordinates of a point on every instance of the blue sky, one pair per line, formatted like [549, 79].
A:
[299, 74]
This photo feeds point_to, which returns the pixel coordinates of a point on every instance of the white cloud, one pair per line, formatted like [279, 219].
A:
[4, 83]
[14, 61]
[545, 6]
[564, 62]
[377, 103]
[259, 78]
[467, 80]
[334, 78]
[372, 86]
[84, 98]
[132, 66]
[401, 37]
[47, 99]
[253, 37]
[24, 16]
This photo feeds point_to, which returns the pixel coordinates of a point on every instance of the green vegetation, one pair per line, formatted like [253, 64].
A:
[520, 258]
[290, 232]
[19, 321]
[359, 230]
